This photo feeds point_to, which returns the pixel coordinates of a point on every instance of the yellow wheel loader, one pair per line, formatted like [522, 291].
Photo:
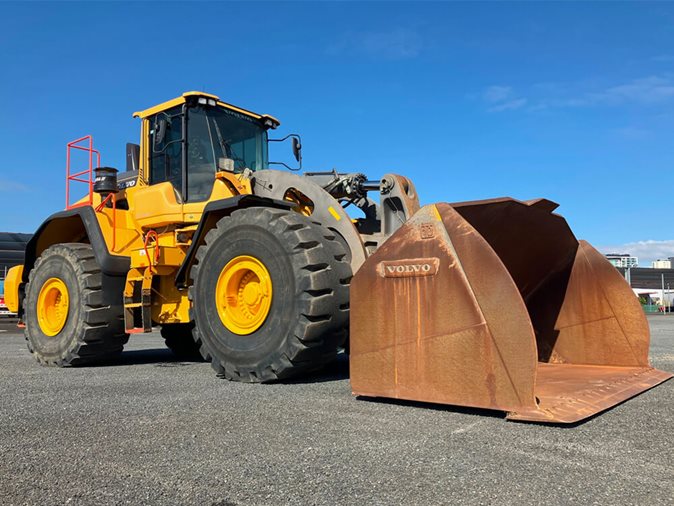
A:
[491, 304]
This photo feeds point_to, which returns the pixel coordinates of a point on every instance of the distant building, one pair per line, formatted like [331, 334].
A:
[622, 260]
[662, 264]
[654, 286]
[646, 277]
[12, 246]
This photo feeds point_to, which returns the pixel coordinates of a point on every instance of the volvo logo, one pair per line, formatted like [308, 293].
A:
[411, 267]
[399, 269]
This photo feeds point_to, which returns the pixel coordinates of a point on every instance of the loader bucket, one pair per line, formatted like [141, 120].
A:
[495, 304]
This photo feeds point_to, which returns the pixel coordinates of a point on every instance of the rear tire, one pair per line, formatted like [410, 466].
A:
[178, 338]
[308, 313]
[89, 326]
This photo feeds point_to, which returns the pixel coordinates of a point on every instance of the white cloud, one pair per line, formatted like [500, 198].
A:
[646, 251]
[497, 93]
[509, 105]
[647, 90]
[394, 44]
[663, 58]
[11, 186]
[502, 98]
[643, 91]
[632, 133]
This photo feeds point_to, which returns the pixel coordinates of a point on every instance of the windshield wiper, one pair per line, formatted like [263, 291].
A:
[226, 148]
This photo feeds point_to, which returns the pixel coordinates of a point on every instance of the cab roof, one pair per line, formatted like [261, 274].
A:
[265, 119]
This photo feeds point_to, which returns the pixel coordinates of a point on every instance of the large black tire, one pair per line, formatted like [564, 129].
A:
[309, 310]
[94, 326]
[178, 338]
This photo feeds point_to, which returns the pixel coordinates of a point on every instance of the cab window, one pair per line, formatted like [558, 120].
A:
[166, 147]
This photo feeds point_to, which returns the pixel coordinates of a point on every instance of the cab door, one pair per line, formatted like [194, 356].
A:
[159, 199]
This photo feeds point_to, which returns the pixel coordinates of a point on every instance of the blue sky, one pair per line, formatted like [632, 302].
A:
[569, 101]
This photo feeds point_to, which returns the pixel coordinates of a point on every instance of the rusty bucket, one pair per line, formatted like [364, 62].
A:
[495, 304]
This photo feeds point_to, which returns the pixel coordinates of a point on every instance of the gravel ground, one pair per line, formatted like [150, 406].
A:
[149, 429]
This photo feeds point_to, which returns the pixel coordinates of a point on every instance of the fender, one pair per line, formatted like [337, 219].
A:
[74, 225]
[212, 213]
[327, 210]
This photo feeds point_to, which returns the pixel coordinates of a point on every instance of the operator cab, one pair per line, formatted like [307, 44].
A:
[191, 138]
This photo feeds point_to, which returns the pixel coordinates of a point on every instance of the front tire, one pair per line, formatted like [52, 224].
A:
[72, 315]
[270, 295]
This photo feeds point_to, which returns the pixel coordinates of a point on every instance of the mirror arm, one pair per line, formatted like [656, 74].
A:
[287, 166]
[285, 138]
[299, 141]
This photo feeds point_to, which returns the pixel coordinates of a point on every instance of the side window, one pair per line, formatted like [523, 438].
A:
[166, 148]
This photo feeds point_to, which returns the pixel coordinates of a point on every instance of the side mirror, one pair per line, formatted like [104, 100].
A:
[159, 131]
[297, 149]
[132, 156]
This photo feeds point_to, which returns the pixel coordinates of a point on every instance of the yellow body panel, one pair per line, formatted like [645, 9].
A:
[237, 182]
[158, 108]
[156, 206]
[119, 231]
[12, 282]
[167, 257]
[172, 103]
[170, 304]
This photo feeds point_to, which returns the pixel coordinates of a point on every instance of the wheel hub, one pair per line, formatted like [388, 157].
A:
[52, 306]
[243, 294]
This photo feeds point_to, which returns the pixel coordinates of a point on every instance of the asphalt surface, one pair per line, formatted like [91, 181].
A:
[148, 429]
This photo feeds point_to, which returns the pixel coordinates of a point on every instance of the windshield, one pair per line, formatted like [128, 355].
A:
[219, 139]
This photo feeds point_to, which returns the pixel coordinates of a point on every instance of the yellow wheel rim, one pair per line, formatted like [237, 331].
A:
[52, 306]
[243, 295]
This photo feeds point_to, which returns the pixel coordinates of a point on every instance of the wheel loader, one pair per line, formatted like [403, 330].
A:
[269, 273]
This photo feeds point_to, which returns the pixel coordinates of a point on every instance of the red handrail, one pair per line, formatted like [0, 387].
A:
[88, 146]
[82, 145]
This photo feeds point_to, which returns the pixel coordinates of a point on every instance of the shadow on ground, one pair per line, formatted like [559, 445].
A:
[435, 407]
[335, 371]
[160, 357]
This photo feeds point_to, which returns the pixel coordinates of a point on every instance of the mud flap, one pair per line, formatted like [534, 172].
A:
[495, 304]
